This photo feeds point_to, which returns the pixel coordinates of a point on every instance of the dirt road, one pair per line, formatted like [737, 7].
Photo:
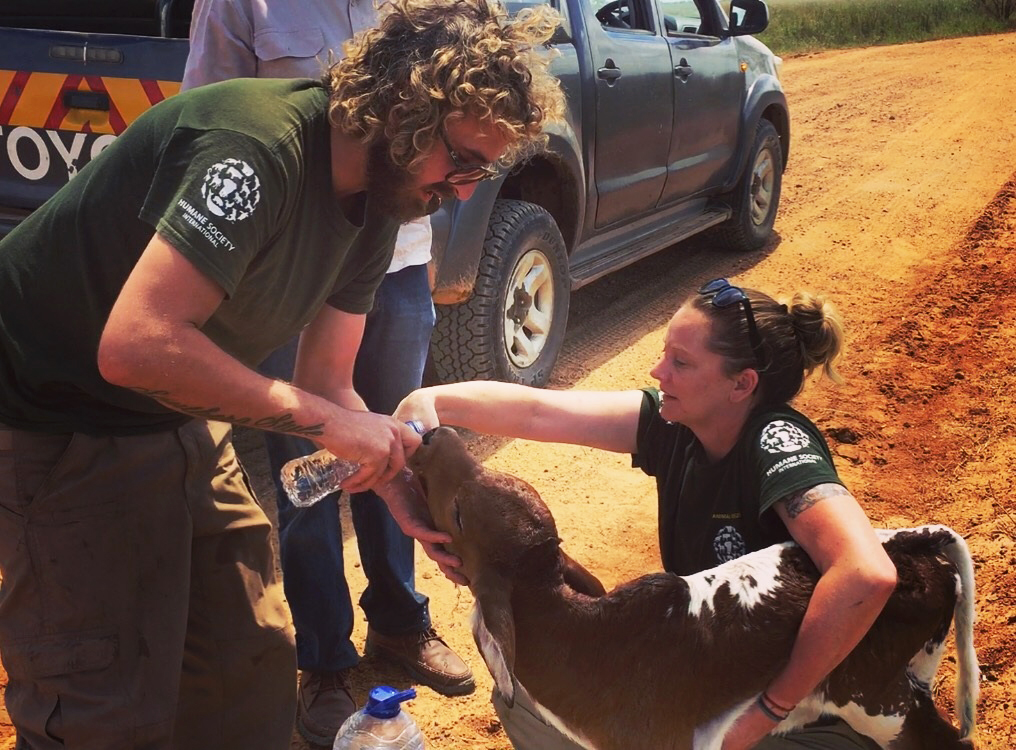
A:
[900, 204]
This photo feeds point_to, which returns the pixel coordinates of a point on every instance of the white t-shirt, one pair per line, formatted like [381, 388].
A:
[272, 39]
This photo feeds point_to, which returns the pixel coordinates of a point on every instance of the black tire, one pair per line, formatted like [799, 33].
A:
[757, 196]
[512, 327]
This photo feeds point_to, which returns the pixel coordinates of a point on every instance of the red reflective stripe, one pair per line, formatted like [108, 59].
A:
[12, 95]
[116, 121]
[58, 111]
[152, 90]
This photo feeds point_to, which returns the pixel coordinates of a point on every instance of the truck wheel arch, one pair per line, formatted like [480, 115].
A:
[513, 326]
[552, 180]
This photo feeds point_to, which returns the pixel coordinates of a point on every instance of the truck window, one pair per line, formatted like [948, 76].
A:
[625, 15]
[131, 17]
[681, 17]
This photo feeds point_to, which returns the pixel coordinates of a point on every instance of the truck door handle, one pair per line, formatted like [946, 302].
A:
[683, 70]
[609, 72]
[98, 100]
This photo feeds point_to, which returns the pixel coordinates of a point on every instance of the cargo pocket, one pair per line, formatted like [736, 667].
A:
[28, 463]
[64, 654]
[66, 541]
[285, 54]
[54, 689]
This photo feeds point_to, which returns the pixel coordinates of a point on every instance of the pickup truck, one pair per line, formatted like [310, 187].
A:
[677, 125]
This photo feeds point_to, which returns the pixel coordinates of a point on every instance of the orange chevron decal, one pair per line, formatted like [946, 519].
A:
[37, 100]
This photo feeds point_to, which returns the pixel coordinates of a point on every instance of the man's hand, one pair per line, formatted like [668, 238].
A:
[378, 443]
[404, 498]
[749, 729]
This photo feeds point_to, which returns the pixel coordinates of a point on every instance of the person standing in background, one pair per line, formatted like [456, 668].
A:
[261, 39]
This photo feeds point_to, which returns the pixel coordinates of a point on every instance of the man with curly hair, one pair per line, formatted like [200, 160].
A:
[261, 39]
[140, 605]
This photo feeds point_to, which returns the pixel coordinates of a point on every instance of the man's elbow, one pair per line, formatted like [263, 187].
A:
[116, 360]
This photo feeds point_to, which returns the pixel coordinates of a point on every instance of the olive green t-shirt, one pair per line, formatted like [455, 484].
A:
[237, 177]
[710, 513]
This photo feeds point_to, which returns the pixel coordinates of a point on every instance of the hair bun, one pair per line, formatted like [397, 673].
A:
[819, 329]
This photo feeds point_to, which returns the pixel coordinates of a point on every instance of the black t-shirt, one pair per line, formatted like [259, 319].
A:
[237, 177]
[710, 513]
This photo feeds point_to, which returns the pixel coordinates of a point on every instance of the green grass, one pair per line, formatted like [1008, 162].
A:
[797, 26]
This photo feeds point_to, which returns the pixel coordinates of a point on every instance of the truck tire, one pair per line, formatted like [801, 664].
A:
[512, 327]
[757, 196]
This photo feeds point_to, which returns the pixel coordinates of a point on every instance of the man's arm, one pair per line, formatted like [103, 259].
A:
[221, 44]
[153, 344]
[324, 366]
[327, 353]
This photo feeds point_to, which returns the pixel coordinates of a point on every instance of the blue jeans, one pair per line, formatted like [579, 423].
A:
[388, 366]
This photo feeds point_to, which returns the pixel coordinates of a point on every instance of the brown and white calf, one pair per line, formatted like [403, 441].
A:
[669, 661]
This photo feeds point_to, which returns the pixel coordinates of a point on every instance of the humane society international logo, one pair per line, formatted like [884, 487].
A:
[780, 436]
[231, 190]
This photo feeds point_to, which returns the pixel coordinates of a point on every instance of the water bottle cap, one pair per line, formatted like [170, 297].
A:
[383, 701]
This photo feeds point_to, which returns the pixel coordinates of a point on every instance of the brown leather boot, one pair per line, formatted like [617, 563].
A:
[425, 657]
[323, 703]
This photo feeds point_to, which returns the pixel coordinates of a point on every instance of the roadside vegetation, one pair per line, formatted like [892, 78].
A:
[799, 26]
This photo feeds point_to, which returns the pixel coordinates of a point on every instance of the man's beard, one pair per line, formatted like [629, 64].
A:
[391, 189]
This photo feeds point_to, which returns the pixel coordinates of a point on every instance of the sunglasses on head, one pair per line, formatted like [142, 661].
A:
[723, 295]
[463, 174]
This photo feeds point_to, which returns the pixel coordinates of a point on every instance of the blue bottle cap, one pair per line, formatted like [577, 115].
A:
[383, 701]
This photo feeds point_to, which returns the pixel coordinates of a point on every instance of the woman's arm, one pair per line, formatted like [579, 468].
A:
[857, 578]
[598, 419]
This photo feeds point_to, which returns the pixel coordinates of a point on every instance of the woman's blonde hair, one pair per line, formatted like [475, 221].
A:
[428, 59]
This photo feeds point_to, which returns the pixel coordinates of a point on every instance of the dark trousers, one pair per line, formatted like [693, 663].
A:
[389, 365]
[140, 607]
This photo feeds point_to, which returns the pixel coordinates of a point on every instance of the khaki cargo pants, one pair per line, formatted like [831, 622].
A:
[139, 606]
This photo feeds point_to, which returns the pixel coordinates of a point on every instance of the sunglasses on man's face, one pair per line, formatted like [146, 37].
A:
[722, 295]
[463, 174]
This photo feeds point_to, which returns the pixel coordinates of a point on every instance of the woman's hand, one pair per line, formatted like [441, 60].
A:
[749, 729]
[419, 407]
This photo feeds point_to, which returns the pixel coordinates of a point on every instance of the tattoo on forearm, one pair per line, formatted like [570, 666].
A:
[277, 423]
[799, 502]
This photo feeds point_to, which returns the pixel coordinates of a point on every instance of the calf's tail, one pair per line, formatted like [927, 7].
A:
[968, 673]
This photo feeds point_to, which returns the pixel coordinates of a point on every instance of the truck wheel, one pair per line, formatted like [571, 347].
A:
[757, 195]
[513, 326]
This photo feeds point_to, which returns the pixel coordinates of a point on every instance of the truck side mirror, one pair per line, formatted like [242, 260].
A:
[561, 35]
[748, 17]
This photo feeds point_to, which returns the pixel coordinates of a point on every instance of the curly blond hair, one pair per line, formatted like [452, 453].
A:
[429, 59]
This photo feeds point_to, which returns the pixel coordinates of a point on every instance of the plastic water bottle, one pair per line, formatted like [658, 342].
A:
[309, 479]
[381, 724]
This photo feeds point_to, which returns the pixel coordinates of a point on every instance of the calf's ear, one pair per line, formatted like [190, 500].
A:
[494, 631]
[579, 578]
